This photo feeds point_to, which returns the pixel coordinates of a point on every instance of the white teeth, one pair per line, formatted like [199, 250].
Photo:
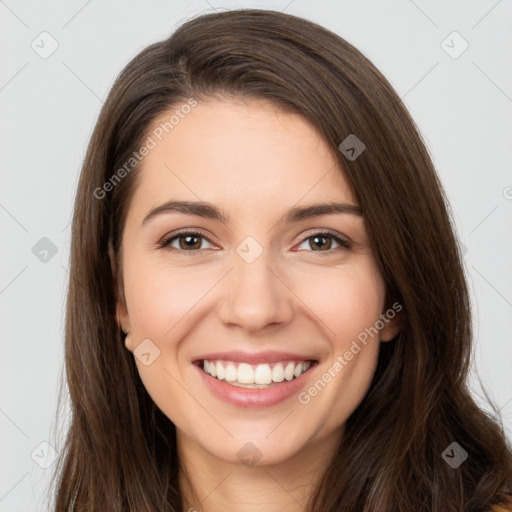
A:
[219, 370]
[246, 374]
[263, 374]
[255, 376]
[252, 386]
[289, 371]
[278, 373]
[231, 374]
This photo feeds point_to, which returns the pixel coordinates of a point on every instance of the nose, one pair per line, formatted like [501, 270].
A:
[255, 295]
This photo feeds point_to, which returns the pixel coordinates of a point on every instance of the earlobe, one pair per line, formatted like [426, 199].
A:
[393, 323]
[122, 316]
[123, 320]
[388, 334]
[128, 342]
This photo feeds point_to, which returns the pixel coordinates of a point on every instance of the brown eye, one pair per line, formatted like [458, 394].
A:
[323, 242]
[320, 241]
[188, 241]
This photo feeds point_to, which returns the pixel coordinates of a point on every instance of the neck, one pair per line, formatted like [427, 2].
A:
[214, 484]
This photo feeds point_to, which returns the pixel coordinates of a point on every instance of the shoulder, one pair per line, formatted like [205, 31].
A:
[502, 508]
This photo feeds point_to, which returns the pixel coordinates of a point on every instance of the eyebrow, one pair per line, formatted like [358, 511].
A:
[210, 211]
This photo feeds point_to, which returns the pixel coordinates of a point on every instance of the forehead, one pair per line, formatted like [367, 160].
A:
[238, 152]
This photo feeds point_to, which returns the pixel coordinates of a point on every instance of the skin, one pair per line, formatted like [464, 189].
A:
[255, 162]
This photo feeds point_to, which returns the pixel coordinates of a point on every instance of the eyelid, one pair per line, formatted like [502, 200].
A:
[343, 240]
[326, 231]
[163, 243]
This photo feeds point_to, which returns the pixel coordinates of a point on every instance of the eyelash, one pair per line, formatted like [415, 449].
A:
[165, 242]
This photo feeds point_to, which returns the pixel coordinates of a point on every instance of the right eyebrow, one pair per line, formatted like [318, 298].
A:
[199, 208]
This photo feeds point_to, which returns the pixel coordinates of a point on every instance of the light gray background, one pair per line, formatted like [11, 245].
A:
[462, 106]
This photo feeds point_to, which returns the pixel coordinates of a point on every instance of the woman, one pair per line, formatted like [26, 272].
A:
[267, 307]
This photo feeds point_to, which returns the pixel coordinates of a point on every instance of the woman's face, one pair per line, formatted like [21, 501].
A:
[266, 287]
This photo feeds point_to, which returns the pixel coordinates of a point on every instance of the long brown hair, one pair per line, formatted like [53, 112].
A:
[120, 452]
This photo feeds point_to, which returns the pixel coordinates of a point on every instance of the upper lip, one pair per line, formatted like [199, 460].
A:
[253, 358]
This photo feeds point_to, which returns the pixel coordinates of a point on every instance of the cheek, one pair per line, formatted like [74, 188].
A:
[161, 301]
[160, 296]
[348, 303]
[347, 300]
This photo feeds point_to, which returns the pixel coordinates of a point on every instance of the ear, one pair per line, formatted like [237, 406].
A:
[123, 318]
[393, 321]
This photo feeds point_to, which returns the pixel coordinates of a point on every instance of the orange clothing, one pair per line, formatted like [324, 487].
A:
[499, 508]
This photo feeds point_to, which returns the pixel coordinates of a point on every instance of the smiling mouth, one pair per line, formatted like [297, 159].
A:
[255, 376]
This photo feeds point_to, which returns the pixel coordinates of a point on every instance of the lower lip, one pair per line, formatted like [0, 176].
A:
[247, 397]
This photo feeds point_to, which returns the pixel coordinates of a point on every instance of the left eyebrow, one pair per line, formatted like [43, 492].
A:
[208, 210]
[315, 210]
